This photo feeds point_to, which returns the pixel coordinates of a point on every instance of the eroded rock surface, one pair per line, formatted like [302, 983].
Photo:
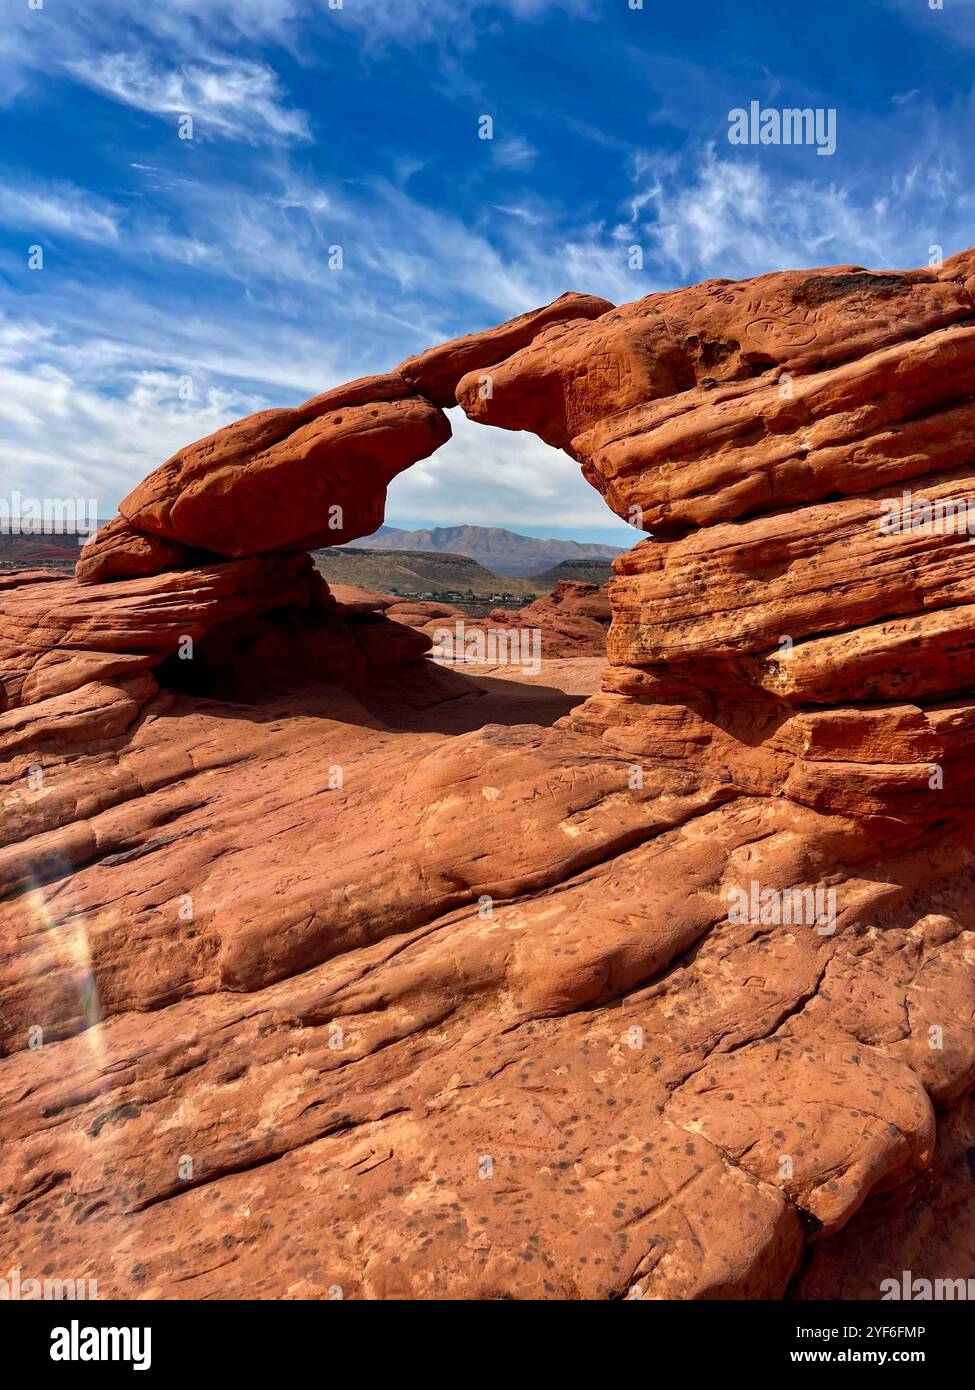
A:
[907, 1242]
[357, 974]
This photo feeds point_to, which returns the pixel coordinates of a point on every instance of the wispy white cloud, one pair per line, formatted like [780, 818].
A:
[741, 217]
[176, 33]
[446, 21]
[80, 426]
[223, 96]
[408, 269]
[514, 152]
[35, 206]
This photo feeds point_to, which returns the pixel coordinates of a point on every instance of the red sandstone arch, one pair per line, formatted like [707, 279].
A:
[758, 427]
[755, 427]
[673, 406]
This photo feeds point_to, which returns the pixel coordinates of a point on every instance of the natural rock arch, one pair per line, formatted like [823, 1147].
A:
[756, 428]
[677, 1098]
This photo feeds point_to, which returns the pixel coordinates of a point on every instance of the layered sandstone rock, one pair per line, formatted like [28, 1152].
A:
[436, 372]
[721, 334]
[383, 1087]
[57, 634]
[74, 655]
[798, 444]
[383, 980]
[916, 1241]
[119, 551]
[572, 620]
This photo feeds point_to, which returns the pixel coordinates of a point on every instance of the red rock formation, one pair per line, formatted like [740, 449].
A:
[58, 634]
[923, 1229]
[726, 418]
[682, 344]
[322, 483]
[312, 476]
[436, 372]
[413, 985]
[353, 598]
[571, 621]
[118, 551]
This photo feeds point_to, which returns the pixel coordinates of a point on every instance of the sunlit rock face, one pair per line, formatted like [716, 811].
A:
[328, 970]
[799, 446]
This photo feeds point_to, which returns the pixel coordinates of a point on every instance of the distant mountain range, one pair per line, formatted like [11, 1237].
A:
[503, 552]
[452, 578]
[594, 571]
[482, 561]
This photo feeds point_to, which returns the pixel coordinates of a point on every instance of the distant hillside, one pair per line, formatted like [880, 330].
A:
[419, 573]
[498, 550]
[39, 551]
[582, 571]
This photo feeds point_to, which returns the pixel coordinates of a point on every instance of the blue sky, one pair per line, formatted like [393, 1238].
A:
[208, 259]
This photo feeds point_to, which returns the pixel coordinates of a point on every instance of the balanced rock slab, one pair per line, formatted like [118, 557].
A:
[249, 490]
